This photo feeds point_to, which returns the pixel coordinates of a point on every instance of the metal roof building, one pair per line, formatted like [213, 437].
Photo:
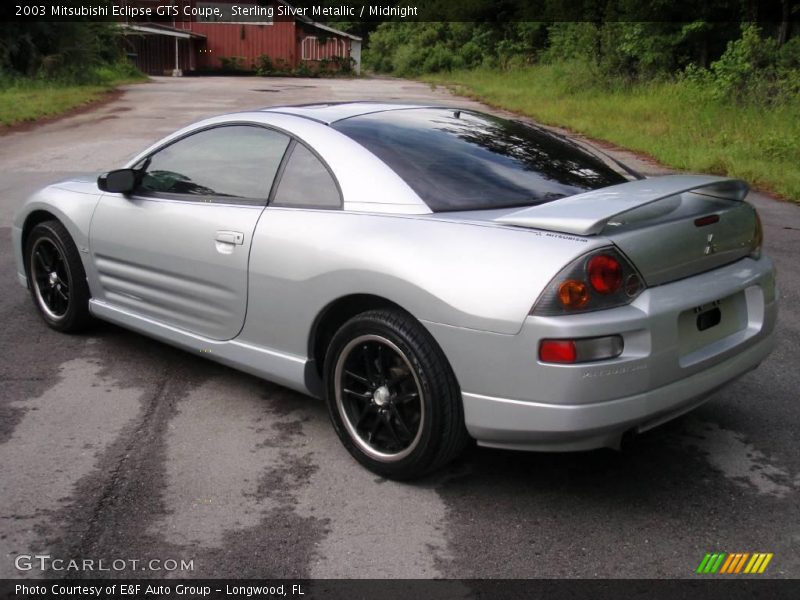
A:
[212, 35]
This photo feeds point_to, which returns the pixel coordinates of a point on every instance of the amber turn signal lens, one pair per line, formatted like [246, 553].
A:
[573, 293]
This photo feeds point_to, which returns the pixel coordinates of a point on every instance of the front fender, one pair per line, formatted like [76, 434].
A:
[70, 202]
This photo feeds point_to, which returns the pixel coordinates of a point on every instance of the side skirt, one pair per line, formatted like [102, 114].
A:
[292, 371]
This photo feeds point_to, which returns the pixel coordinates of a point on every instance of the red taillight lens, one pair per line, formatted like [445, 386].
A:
[581, 350]
[707, 220]
[605, 273]
[558, 351]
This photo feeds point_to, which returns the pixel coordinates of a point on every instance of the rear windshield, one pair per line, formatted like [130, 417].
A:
[460, 160]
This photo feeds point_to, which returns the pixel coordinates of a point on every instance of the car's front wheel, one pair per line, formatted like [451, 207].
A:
[56, 277]
[392, 395]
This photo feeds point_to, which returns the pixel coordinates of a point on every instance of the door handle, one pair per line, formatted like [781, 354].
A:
[230, 237]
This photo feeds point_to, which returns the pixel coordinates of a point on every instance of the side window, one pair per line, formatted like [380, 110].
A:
[306, 182]
[227, 162]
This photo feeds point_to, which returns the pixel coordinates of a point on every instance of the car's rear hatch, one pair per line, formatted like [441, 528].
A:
[670, 227]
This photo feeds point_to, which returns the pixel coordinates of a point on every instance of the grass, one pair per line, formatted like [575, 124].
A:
[679, 124]
[27, 99]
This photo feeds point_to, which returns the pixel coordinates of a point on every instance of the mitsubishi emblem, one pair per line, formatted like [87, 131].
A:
[711, 247]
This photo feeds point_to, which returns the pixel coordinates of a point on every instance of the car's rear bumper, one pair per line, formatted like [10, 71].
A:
[501, 422]
[667, 367]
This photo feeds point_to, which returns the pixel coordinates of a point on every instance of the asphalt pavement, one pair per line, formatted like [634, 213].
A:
[114, 446]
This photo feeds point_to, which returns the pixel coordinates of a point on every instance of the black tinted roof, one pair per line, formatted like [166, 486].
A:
[462, 160]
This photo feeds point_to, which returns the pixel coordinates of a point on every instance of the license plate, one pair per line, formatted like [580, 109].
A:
[709, 318]
[702, 326]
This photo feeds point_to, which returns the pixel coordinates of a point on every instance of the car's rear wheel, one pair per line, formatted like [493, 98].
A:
[392, 395]
[56, 277]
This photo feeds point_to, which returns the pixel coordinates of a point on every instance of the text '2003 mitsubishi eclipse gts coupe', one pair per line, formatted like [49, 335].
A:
[434, 274]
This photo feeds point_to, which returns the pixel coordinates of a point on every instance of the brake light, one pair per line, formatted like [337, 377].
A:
[581, 350]
[598, 280]
[557, 351]
[707, 220]
[605, 273]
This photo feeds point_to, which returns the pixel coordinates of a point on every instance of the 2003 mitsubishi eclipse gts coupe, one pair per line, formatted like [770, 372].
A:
[434, 274]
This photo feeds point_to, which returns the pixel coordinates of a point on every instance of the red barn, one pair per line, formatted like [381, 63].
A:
[232, 34]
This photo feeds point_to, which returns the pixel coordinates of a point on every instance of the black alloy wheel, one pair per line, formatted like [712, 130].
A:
[392, 395]
[56, 277]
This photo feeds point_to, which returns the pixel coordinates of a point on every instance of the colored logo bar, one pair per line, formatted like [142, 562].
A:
[734, 563]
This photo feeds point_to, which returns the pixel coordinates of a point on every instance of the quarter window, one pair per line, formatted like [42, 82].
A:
[306, 182]
[233, 162]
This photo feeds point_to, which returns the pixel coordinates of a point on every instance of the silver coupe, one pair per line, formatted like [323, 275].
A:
[436, 275]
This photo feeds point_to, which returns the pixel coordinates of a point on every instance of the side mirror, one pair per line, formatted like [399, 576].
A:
[120, 181]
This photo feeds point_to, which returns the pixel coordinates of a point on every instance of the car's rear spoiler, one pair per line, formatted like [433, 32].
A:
[588, 213]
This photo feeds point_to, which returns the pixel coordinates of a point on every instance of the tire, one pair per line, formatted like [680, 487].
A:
[56, 277]
[392, 396]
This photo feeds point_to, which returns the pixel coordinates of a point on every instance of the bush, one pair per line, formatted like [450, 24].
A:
[406, 60]
[66, 52]
[342, 64]
[571, 41]
[746, 66]
[304, 70]
[264, 66]
[414, 48]
[614, 52]
[437, 59]
[753, 69]
[232, 63]
[107, 74]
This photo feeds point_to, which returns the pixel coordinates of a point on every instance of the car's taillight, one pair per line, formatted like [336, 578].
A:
[758, 238]
[580, 350]
[605, 273]
[558, 351]
[601, 279]
[573, 293]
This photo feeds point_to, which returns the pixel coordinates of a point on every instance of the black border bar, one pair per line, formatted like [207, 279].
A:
[705, 588]
[375, 11]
